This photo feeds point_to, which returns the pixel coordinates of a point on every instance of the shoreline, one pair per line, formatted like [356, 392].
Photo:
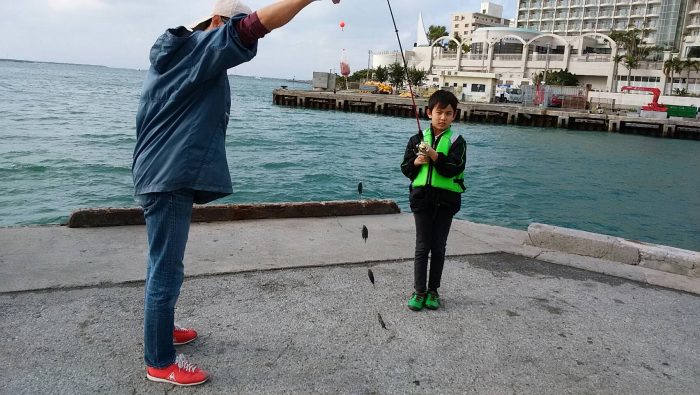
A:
[308, 235]
[502, 114]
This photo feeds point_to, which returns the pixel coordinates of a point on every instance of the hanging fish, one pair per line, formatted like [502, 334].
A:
[365, 233]
[359, 189]
[371, 276]
[381, 321]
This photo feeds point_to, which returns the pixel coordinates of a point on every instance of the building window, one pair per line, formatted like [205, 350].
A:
[478, 88]
[464, 85]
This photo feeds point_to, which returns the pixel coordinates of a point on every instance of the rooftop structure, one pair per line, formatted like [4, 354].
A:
[465, 23]
[668, 24]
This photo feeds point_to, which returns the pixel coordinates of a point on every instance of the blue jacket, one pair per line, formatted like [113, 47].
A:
[184, 110]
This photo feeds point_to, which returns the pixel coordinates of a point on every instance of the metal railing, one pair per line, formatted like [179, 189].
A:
[591, 58]
[542, 57]
[508, 57]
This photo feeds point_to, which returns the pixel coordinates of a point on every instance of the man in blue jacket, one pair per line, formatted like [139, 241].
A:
[180, 158]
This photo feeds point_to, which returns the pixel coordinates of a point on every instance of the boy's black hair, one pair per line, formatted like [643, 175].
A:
[442, 99]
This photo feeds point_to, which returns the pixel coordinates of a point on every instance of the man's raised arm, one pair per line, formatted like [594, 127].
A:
[279, 14]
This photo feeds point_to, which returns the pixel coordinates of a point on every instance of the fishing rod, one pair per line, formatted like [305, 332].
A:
[405, 67]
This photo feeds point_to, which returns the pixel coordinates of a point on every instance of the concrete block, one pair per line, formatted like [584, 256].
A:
[582, 243]
[90, 218]
[616, 249]
[668, 259]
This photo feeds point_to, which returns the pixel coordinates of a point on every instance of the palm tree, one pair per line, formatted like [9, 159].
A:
[617, 59]
[631, 62]
[631, 42]
[688, 65]
[671, 67]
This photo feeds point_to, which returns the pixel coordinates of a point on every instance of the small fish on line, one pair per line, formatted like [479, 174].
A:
[365, 233]
[371, 276]
[381, 321]
[359, 188]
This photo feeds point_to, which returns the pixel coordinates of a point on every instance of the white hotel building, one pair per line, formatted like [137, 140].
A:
[567, 34]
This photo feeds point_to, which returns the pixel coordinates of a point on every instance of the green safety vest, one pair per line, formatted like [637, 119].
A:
[427, 175]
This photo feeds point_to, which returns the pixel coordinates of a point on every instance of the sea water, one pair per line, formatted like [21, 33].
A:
[67, 137]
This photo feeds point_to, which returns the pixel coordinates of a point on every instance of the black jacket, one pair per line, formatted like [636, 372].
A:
[450, 165]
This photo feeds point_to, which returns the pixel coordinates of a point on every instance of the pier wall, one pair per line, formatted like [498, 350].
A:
[503, 114]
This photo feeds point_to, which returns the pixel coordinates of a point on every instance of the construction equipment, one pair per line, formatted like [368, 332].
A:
[654, 105]
[375, 87]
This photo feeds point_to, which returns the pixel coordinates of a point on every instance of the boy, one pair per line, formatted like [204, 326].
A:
[434, 161]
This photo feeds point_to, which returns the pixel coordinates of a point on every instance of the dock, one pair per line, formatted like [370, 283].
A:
[283, 304]
[501, 113]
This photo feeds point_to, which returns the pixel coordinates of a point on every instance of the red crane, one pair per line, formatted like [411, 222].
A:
[654, 105]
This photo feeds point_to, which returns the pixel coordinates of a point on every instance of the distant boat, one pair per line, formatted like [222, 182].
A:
[258, 78]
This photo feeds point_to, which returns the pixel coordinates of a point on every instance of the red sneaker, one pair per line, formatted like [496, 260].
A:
[183, 335]
[179, 373]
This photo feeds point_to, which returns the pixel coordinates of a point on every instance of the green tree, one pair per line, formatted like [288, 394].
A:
[381, 74]
[397, 74]
[671, 67]
[561, 77]
[435, 32]
[359, 75]
[689, 65]
[452, 46]
[416, 77]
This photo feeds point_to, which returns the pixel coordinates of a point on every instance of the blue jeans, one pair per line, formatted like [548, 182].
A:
[168, 216]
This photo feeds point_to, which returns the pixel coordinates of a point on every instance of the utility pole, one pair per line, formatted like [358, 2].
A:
[369, 69]
[546, 64]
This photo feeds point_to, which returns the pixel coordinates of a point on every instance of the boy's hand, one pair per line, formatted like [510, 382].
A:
[421, 160]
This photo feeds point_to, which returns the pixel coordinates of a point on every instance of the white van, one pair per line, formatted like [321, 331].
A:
[506, 93]
[513, 95]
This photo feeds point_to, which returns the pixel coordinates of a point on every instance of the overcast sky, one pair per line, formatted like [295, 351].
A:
[119, 33]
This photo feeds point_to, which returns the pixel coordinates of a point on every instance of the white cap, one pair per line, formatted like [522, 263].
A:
[226, 8]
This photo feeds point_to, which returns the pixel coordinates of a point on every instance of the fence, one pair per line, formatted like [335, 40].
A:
[574, 97]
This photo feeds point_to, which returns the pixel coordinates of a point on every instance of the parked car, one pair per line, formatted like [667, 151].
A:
[556, 100]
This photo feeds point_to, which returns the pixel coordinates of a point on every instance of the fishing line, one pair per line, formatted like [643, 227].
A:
[405, 67]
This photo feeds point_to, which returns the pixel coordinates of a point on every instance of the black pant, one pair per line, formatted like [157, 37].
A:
[432, 228]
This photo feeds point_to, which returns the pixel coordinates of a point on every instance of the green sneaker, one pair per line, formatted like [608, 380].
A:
[432, 300]
[416, 302]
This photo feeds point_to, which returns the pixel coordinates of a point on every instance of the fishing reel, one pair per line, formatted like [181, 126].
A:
[422, 148]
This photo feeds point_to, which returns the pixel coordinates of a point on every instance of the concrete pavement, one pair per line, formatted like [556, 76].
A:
[275, 317]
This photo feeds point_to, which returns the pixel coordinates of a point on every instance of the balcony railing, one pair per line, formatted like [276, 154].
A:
[542, 57]
[474, 56]
[591, 58]
[508, 57]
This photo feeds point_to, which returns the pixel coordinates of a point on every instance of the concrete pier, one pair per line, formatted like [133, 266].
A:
[285, 305]
[505, 114]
